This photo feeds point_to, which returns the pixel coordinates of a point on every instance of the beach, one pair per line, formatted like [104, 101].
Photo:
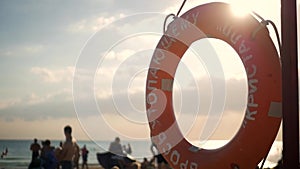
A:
[95, 166]
[19, 155]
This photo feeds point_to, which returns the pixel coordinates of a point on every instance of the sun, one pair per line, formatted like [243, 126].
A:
[241, 9]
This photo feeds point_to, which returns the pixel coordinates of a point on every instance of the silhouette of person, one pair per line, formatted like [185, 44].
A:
[57, 152]
[35, 147]
[69, 149]
[147, 164]
[49, 159]
[76, 158]
[4, 153]
[84, 153]
[115, 147]
[127, 149]
[161, 162]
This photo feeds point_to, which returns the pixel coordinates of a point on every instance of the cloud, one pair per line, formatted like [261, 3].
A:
[91, 25]
[23, 50]
[33, 107]
[5, 103]
[34, 99]
[188, 99]
[5, 52]
[54, 76]
[19, 128]
[34, 48]
[236, 94]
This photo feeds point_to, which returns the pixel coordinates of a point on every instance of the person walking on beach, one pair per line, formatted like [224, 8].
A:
[84, 153]
[35, 147]
[69, 149]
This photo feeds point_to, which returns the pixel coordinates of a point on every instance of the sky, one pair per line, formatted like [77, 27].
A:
[49, 81]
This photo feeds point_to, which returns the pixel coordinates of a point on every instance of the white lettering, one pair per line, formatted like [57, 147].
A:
[195, 17]
[161, 137]
[167, 42]
[153, 123]
[252, 87]
[226, 30]
[250, 75]
[167, 151]
[234, 39]
[184, 24]
[149, 87]
[153, 100]
[251, 101]
[246, 58]
[243, 48]
[249, 114]
[150, 111]
[175, 156]
[158, 56]
[193, 165]
[153, 72]
[184, 165]
[174, 30]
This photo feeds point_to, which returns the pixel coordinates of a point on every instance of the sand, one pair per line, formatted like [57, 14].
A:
[93, 166]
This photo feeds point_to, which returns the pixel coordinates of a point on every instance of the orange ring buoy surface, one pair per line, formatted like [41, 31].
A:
[263, 112]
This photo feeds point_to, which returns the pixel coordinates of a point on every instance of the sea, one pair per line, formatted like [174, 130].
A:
[19, 154]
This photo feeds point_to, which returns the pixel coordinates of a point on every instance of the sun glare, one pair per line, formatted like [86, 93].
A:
[240, 10]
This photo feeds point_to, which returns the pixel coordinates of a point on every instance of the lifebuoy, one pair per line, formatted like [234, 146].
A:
[262, 118]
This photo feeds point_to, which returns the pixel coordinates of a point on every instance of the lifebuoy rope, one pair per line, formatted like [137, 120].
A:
[174, 16]
[165, 22]
[181, 7]
[265, 23]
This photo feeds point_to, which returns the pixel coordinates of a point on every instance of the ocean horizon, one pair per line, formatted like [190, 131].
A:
[19, 154]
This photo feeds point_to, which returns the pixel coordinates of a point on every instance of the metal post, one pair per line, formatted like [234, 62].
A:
[290, 84]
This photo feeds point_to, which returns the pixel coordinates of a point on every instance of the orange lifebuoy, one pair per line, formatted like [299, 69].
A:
[262, 118]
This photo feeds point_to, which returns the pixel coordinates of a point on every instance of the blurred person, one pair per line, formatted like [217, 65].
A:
[69, 149]
[48, 156]
[127, 149]
[35, 147]
[160, 160]
[57, 152]
[115, 147]
[84, 154]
